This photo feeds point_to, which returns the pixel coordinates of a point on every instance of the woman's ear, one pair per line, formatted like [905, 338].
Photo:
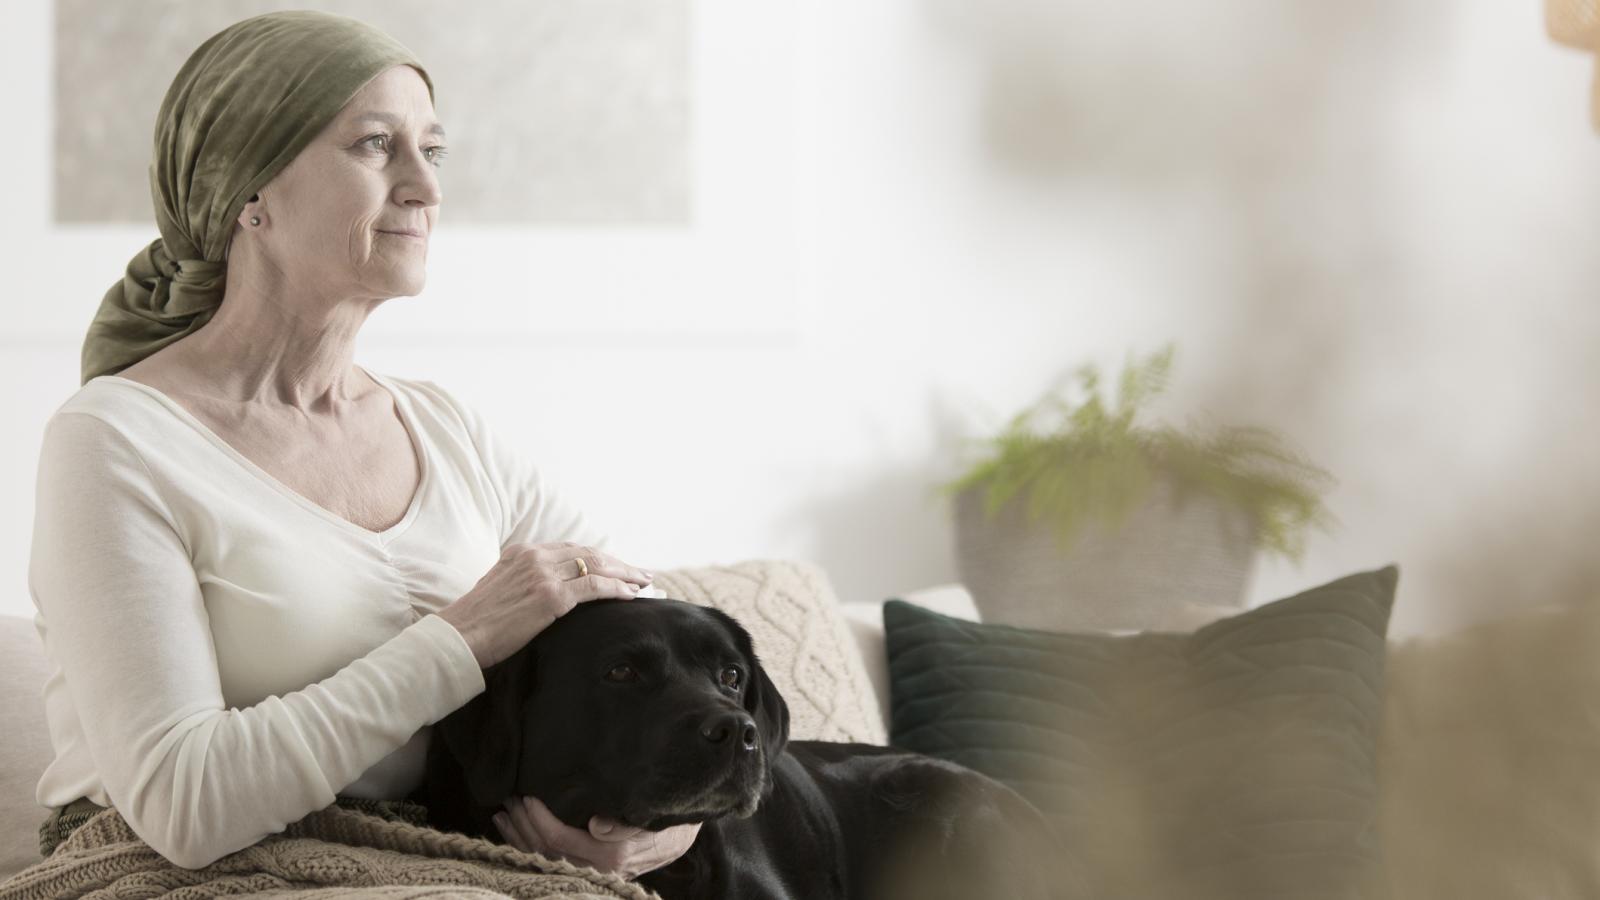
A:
[485, 735]
[251, 214]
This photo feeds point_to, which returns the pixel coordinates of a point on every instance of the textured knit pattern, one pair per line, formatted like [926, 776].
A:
[801, 637]
[62, 822]
[334, 852]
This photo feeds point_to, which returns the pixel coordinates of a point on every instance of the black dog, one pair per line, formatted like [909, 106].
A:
[656, 712]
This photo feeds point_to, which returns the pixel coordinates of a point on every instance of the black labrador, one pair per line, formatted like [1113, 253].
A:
[657, 712]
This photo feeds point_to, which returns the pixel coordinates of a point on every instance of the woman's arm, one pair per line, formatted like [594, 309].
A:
[126, 622]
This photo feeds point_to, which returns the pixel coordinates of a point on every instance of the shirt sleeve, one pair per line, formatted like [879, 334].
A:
[532, 510]
[126, 623]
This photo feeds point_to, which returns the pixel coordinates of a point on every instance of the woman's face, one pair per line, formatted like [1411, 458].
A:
[335, 217]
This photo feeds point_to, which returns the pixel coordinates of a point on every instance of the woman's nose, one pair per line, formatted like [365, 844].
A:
[419, 183]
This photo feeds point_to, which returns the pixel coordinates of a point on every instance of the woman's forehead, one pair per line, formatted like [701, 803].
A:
[395, 96]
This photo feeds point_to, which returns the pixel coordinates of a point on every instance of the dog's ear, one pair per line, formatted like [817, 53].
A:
[485, 735]
[763, 701]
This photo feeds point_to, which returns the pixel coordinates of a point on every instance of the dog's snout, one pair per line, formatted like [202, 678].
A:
[722, 727]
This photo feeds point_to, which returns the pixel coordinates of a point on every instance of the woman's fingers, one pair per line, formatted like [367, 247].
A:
[597, 587]
[531, 586]
[607, 845]
[551, 832]
[530, 826]
[581, 562]
[517, 832]
[611, 831]
[539, 814]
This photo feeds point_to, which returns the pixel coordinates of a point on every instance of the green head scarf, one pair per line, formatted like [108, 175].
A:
[244, 105]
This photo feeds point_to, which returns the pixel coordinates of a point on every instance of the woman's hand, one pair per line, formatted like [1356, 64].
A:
[608, 845]
[531, 586]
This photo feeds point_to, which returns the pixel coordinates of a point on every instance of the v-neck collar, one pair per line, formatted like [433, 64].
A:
[407, 419]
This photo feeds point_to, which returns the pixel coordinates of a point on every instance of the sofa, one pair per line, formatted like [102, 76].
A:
[1489, 757]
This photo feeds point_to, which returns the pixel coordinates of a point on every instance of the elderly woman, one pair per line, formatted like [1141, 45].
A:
[262, 571]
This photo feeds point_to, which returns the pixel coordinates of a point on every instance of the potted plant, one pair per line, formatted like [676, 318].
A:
[1093, 521]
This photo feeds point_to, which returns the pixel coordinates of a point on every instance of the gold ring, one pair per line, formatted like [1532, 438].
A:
[583, 567]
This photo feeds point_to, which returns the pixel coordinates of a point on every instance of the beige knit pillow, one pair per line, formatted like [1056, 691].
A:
[802, 639]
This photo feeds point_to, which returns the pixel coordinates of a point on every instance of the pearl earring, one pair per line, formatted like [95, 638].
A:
[255, 220]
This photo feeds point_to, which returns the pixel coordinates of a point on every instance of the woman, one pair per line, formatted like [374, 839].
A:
[256, 563]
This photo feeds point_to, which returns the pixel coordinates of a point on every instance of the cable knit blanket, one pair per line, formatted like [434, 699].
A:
[332, 853]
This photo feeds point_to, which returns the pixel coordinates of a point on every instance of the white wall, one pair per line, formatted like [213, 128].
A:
[1370, 228]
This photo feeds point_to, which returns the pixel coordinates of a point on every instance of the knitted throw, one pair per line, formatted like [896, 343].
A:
[334, 852]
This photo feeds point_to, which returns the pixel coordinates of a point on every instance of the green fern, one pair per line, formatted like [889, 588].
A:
[1097, 463]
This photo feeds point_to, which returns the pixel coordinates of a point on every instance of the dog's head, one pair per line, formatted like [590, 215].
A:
[653, 712]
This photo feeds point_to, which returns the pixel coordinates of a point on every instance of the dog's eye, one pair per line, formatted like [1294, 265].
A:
[730, 677]
[622, 673]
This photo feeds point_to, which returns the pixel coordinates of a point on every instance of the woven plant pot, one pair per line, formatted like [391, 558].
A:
[1172, 567]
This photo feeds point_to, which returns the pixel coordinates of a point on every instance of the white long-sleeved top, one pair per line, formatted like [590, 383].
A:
[227, 655]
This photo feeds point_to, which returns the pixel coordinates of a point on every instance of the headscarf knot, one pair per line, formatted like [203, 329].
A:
[183, 288]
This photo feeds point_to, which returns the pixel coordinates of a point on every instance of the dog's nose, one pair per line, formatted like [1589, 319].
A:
[722, 727]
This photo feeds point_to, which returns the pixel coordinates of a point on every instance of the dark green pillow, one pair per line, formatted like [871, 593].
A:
[1239, 761]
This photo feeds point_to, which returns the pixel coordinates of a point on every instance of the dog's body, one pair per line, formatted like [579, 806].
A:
[863, 821]
[656, 712]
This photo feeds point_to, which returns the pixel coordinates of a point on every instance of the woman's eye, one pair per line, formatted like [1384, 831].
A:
[730, 677]
[622, 673]
[434, 154]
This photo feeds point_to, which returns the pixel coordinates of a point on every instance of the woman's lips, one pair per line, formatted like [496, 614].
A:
[401, 234]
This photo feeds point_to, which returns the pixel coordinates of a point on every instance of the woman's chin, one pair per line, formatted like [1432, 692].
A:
[402, 284]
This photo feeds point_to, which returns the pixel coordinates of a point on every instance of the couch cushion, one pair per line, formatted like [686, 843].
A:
[1239, 761]
[866, 624]
[801, 637]
[24, 742]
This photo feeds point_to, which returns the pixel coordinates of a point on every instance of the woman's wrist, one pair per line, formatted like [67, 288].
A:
[452, 614]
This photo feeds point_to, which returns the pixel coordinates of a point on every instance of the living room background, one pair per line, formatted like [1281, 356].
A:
[1368, 226]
